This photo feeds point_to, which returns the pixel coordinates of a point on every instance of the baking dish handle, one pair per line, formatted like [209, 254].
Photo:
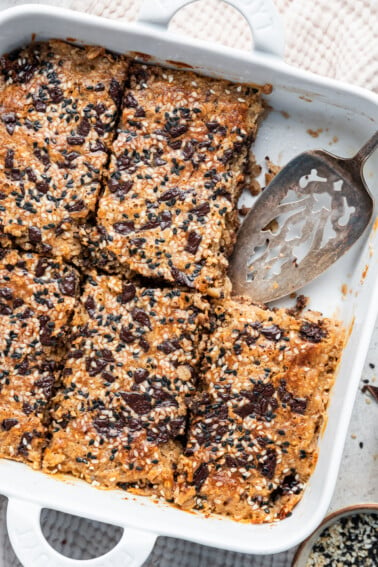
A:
[32, 549]
[261, 15]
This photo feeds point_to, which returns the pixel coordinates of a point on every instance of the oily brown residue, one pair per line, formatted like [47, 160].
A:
[141, 56]
[344, 289]
[285, 114]
[364, 273]
[179, 65]
[315, 133]
[272, 170]
[305, 98]
[33, 36]
[71, 39]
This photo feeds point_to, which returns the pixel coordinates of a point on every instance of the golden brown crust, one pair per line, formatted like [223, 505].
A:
[127, 377]
[58, 105]
[266, 378]
[37, 297]
[176, 170]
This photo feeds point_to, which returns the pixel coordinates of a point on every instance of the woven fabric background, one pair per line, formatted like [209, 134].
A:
[336, 38]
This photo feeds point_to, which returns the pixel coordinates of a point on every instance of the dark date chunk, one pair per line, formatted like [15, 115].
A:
[193, 242]
[200, 475]
[124, 227]
[90, 306]
[7, 424]
[95, 366]
[75, 140]
[139, 403]
[181, 278]
[201, 210]
[272, 332]
[267, 465]
[176, 131]
[115, 91]
[129, 101]
[6, 293]
[126, 336]
[169, 346]
[128, 293]
[140, 375]
[35, 235]
[312, 332]
[76, 206]
[67, 285]
[173, 193]
[141, 317]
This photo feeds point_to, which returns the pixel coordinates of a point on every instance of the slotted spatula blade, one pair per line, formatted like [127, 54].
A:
[312, 212]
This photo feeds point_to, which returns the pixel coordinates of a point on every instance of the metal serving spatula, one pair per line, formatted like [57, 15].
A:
[311, 213]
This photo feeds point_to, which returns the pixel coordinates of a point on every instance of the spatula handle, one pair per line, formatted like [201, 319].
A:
[366, 150]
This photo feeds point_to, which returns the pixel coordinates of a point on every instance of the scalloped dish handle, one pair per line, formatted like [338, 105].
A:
[32, 549]
[261, 15]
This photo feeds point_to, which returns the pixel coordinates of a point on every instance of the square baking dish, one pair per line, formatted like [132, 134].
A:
[344, 117]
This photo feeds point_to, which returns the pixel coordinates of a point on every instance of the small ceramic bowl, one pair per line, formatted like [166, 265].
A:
[304, 550]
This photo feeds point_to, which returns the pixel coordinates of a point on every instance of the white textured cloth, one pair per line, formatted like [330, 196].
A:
[337, 38]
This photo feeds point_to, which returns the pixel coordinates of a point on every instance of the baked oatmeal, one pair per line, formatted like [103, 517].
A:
[265, 380]
[37, 297]
[58, 105]
[126, 381]
[177, 168]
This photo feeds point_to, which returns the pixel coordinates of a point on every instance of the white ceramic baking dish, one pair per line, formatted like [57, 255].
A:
[347, 116]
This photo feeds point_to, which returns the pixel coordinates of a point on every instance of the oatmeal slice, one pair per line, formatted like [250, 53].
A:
[37, 297]
[127, 378]
[177, 168]
[58, 105]
[266, 378]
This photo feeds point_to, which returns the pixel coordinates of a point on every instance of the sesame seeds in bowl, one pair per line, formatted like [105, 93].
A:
[348, 537]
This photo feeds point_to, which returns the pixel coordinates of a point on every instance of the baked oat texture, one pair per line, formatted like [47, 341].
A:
[252, 444]
[37, 297]
[58, 105]
[177, 168]
[99, 387]
[126, 381]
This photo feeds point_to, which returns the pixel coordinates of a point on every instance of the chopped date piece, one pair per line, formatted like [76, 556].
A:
[75, 140]
[200, 476]
[126, 336]
[35, 235]
[271, 332]
[129, 101]
[201, 210]
[268, 463]
[169, 346]
[128, 293]
[68, 284]
[193, 242]
[90, 306]
[312, 332]
[7, 424]
[124, 227]
[141, 317]
[140, 375]
[181, 278]
[137, 402]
